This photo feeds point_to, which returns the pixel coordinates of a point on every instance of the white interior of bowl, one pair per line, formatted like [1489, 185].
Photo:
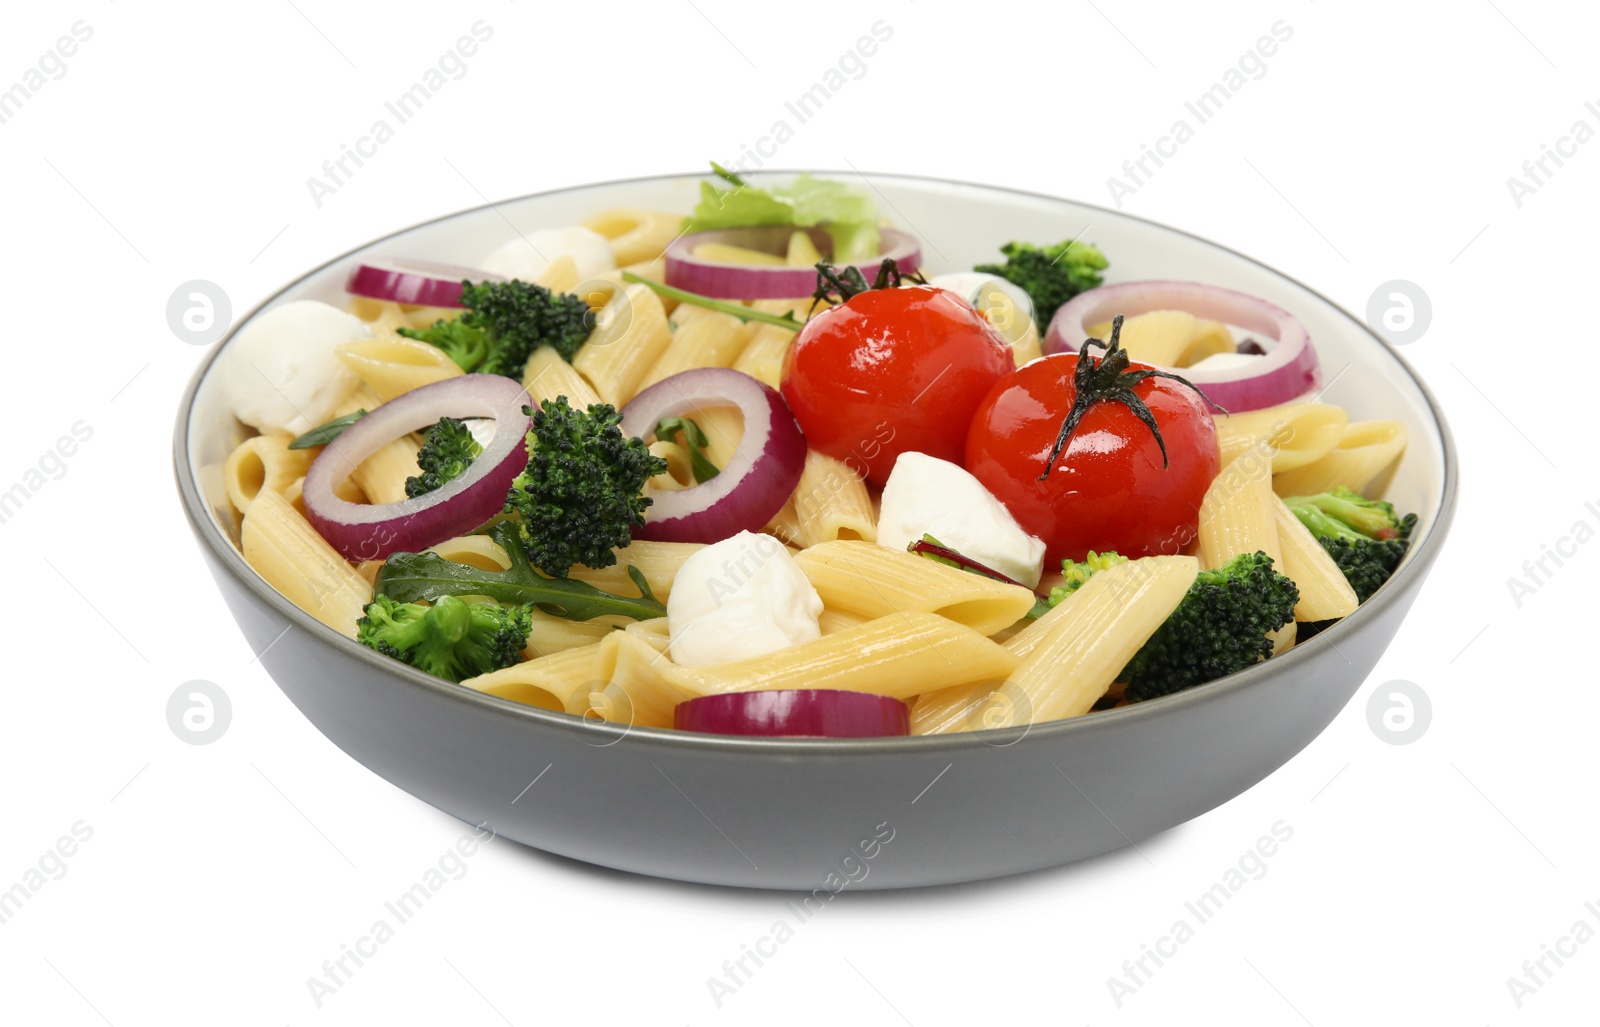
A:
[960, 225]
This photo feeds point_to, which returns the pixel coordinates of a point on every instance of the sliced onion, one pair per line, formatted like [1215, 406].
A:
[761, 282]
[361, 532]
[795, 712]
[760, 475]
[421, 282]
[1287, 371]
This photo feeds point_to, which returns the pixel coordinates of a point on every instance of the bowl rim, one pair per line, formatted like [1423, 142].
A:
[1407, 576]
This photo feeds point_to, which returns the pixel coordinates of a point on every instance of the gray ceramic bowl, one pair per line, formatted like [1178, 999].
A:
[788, 814]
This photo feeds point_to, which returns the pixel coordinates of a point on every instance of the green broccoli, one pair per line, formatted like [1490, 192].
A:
[1220, 627]
[447, 450]
[581, 494]
[504, 323]
[1365, 537]
[461, 342]
[1050, 275]
[1078, 572]
[452, 639]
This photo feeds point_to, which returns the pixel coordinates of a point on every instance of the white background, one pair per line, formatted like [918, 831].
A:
[219, 878]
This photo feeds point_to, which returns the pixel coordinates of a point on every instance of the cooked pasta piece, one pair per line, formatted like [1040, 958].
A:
[560, 275]
[1365, 452]
[548, 682]
[633, 684]
[1293, 435]
[547, 376]
[630, 338]
[636, 235]
[785, 526]
[288, 553]
[762, 357]
[1325, 592]
[723, 427]
[263, 463]
[657, 561]
[712, 339]
[392, 366]
[1169, 338]
[382, 476]
[1236, 513]
[899, 655]
[832, 502]
[1088, 639]
[1236, 517]
[871, 580]
[964, 708]
[839, 620]
[552, 634]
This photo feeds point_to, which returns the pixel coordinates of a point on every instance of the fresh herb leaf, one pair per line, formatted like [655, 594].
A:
[323, 434]
[695, 441]
[425, 577]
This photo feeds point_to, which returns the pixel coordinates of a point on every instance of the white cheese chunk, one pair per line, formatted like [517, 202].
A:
[928, 496]
[281, 374]
[744, 596]
[527, 256]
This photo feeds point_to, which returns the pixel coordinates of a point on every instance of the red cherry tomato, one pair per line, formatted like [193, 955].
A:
[891, 371]
[1107, 490]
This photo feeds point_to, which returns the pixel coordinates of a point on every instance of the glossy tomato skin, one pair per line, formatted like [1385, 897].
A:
[891, 371]
[1107, 490]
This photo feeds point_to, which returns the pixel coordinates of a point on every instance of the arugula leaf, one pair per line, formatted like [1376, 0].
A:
[695, 441]
[323, 434]
[425, 577]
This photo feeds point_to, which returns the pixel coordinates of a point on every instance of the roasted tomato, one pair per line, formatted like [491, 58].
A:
[1108, 480]
[891, 370]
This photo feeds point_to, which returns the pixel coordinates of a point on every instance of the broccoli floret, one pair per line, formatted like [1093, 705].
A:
[1050, 275]
[504, 323]
[452, 639]
[1078, 572]
[581, 494]
[1365, 537]
[447, 450]
[1220, 627]
[466, 345]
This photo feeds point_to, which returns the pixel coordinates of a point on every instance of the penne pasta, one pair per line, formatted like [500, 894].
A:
[1169, 338]
[711, 339]
[657, 561]
[831, 502]
[392, 366]
[382, 476]
[547, 376]
[762, 357]
[548, 682]
[1292, 435]
[1088, 639]
[263, 463]
[899, 655]
[1365, 451]
[1325, 592]
[287, 552]
[636, 235]
[633, 684]
[1236, 515]
[873, 581]
[560, 275]
[631, 336]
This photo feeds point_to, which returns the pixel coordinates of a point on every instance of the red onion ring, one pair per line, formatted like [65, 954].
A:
[1287, 371]
[421, 282]
[362, 532]
[760, 476]
[795, 712]
[757, 282]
